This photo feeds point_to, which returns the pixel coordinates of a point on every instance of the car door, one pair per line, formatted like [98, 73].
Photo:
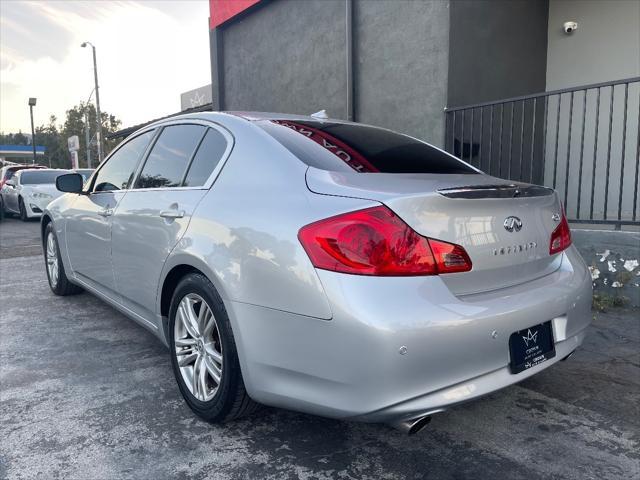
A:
[154, 215]
[88, 222]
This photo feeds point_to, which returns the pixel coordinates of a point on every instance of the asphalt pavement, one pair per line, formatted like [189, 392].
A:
[86, 393]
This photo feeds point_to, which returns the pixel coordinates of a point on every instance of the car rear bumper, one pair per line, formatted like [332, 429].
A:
[399, 348]
[441, 400]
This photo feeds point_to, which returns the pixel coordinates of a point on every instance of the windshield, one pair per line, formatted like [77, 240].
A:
[11, 171]
[349, 146]
[40, 177]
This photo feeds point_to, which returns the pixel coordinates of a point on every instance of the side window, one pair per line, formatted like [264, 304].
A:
[206, 159]
[118, 172]
[169, 157]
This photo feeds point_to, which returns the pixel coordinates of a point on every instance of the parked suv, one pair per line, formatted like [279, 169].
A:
[324, 266]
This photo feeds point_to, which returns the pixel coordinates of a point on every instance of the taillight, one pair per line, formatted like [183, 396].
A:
[560, 237]
[375, 241]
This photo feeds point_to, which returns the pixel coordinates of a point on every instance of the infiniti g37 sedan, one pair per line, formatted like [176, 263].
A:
[322, 266]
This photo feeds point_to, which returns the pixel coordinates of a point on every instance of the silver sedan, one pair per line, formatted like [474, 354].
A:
[323, 266]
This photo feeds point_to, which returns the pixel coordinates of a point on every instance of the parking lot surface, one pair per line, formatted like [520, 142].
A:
[85, 393]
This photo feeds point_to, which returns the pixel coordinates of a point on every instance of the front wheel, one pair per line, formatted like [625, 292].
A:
[23, 210]
[58, 281]
[203, 352]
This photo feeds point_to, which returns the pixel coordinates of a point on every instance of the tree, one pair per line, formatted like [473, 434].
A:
[54, 137]
[56, 153]
[14, 139]
[75, 123]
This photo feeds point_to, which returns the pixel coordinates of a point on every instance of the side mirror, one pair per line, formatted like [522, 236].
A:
[70, 183]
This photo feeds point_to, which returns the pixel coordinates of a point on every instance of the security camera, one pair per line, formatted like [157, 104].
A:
[570, 27]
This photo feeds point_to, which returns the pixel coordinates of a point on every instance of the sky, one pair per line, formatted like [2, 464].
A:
[148, 52]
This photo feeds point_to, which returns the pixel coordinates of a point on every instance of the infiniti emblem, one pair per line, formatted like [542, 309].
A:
[512, 224]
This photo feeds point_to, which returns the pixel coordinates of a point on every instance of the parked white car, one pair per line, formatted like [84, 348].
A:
[29, 191]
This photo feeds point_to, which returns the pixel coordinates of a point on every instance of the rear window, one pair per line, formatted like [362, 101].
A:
[348, 147]
[11, 171]
[170, 156]
[209, 154]
[44, 176]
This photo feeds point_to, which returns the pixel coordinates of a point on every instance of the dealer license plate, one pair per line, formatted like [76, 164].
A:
[531, 347]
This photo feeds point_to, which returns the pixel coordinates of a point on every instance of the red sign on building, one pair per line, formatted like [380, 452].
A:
[222, 10]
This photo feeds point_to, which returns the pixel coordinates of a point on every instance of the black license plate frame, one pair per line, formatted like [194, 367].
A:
[531, 346]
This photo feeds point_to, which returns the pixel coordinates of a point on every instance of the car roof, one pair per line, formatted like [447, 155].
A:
[42, 170]
[6, 168]
[231, 117]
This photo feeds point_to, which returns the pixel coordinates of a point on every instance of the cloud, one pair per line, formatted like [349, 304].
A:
[147, 55]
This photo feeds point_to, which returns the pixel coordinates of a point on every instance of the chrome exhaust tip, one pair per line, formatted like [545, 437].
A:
[413, 426]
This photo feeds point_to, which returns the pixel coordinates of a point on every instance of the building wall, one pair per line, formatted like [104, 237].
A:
[287, 56]
[291, 56]
[605, 47]
[498, 49]
[401, 62]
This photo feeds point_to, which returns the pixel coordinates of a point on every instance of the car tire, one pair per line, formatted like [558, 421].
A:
[1, 210]
[23, 210]
[205, 351]
[58, 281]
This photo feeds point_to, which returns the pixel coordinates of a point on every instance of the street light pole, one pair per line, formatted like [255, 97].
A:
[32, 103]
[98, 116]
[87, 133]
[87, 139]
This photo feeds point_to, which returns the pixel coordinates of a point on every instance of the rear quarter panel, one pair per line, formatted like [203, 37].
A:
[244, 231]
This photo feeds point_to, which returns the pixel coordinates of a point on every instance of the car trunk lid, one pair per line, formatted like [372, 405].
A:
[505, 227]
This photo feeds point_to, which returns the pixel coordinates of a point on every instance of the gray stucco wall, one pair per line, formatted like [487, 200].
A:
[401, 62]
[287, 56]
[291, 56]
[605, 47]
[498, 49]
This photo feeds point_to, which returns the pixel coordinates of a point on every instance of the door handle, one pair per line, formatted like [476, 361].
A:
[106, 212]
[172, 213]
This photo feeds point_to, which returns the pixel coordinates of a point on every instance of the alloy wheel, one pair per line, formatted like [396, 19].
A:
[52, 259]
[198, 347]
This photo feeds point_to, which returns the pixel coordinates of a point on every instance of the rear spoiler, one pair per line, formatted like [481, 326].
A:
[496, 191]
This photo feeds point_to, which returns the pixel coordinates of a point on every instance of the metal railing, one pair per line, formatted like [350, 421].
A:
[583, 141]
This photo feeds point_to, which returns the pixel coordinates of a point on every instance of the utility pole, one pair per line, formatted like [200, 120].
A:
[98, 116]
[32, 103]
[87, 139]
